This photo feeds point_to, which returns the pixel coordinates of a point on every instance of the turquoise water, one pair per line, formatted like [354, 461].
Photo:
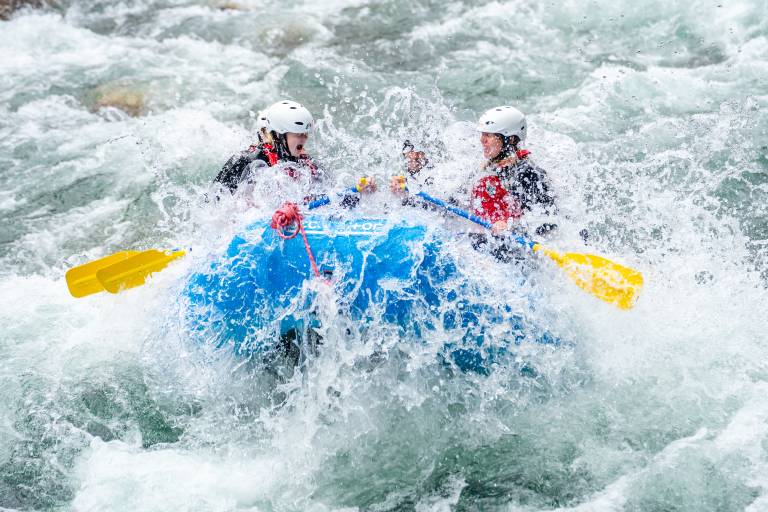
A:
[651, 119]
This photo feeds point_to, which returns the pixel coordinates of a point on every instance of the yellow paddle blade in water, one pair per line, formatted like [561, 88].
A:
[604, 279]
[133, 271]
[82, 280]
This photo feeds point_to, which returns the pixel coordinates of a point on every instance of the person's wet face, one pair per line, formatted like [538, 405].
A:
[492, 144]
[296, 143]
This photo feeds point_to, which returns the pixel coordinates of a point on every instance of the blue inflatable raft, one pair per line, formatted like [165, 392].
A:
[256, 293]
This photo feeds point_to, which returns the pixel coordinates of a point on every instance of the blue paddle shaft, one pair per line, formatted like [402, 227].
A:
[474, 218]
[317, 203]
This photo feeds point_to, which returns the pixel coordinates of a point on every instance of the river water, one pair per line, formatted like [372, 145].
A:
[652, 120]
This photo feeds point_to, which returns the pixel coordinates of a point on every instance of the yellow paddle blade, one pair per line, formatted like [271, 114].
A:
[82, 280]
[604, 279]
[134, 271]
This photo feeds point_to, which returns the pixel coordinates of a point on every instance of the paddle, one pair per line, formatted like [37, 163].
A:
[82, 280]
[128, 269]
[133, 272]
[600, 277]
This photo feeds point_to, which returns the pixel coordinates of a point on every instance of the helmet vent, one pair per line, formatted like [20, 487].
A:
[299, 123]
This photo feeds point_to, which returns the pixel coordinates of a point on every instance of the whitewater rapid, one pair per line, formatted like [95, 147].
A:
[651, 120]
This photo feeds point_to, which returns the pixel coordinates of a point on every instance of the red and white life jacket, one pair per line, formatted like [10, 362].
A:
[491, 201]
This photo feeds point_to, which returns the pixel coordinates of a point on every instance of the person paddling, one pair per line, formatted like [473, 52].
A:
[511, 183]
[283, 130]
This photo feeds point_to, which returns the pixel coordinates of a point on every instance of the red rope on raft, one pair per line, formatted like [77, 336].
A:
[285, 216]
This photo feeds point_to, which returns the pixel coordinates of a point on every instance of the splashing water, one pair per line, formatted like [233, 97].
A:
[651, 120]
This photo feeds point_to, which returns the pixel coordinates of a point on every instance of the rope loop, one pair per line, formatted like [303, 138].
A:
[288, 215]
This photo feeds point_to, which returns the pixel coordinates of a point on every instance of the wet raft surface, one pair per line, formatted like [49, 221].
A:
[380, 273]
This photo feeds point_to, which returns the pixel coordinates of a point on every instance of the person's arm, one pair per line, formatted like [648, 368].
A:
[535, 190]
[234, 171]
[398, 185]
[365, 185]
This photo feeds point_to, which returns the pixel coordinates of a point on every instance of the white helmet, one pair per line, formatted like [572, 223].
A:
[261, 121]
[506, 121]
[289, 117]
[262, 125]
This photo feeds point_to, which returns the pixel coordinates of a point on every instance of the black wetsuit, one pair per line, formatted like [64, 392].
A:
[235, 171]
[529, 185]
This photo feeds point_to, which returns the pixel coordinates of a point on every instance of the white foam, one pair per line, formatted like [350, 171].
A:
[117, 476]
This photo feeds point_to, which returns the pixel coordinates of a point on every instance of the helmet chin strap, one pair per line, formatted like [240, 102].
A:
[281, 146]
